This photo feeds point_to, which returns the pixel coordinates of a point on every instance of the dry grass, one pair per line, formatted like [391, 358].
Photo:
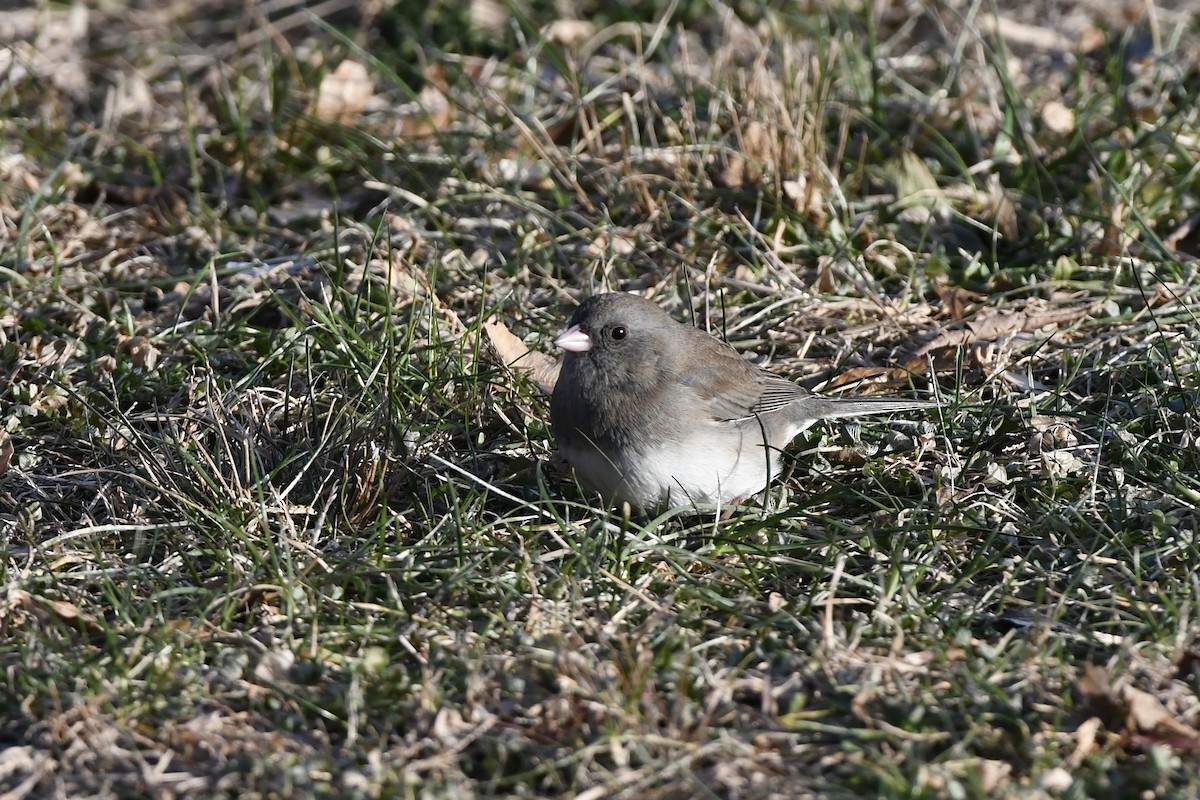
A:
[276, 525]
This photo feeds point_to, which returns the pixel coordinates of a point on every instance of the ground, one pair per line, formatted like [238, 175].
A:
[282, 518]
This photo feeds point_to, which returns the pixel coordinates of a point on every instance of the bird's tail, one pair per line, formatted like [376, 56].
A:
[834, 407]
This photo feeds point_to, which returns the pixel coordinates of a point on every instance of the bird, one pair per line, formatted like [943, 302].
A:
[656, 413]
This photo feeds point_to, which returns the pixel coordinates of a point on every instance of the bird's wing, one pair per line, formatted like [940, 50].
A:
[731, 387]
[777, 393]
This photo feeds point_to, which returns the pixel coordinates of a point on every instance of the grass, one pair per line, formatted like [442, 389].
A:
[277, 523]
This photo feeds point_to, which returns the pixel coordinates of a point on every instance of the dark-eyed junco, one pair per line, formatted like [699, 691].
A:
[652, 412]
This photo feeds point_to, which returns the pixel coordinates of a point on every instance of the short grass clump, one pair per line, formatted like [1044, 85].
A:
[279, 520]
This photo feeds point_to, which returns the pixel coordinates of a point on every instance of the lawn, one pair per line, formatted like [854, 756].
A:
[282, 517]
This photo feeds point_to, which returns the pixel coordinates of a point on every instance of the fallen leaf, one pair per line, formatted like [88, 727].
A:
[993, 324]
[63, 609]
[873, 377]
[1149, 716]
[1060, 464]
[6, 451]
[956, 299]
[515, 355]
[140, 350]
[1136, 713]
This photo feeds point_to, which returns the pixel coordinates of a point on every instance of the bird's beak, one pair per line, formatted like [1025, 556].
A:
[574, 340]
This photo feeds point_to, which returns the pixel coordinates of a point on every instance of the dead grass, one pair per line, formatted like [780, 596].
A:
[276, 524]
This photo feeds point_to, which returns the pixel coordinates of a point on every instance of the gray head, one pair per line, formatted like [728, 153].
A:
[621, 340]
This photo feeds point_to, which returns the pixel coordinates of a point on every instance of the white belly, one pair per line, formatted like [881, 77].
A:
[719, 464]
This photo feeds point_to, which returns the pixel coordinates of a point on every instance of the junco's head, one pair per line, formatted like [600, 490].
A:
[624, 341]
[650, 411]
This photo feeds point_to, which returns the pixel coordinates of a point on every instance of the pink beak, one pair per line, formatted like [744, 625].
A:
[574, 340]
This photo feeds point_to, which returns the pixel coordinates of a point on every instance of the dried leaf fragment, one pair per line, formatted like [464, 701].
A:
[6, 451]
[867, 378]
[992, 324]
[1138, 714]
[140, 350]
[515, 355]
[957, 300]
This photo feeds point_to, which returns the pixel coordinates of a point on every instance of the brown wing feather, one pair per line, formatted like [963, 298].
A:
[733, 387]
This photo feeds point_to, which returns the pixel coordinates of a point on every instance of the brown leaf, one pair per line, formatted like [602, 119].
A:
[956, 299]
[63, 609]
[1093, 686]
[863, 378]
[1147, 715]
[515, 355]
[140, 350]
[6, 451]
[992, 324]
[1138, 714]
[17, 603]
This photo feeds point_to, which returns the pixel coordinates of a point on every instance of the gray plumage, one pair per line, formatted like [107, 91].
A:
[651, 411]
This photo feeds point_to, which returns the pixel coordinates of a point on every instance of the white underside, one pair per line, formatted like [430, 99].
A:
[720, 464]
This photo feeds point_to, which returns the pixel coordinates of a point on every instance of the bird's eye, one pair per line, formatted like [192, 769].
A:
[619, 333]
